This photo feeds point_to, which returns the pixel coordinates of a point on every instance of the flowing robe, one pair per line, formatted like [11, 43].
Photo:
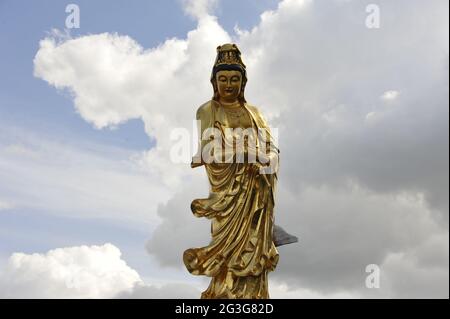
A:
[240, 205]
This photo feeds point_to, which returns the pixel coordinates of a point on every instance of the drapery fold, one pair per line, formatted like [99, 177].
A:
[240, 206]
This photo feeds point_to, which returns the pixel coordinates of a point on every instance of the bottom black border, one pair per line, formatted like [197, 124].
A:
[189, 308]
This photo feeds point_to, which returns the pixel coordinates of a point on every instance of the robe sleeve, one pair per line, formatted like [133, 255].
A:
[203, 117]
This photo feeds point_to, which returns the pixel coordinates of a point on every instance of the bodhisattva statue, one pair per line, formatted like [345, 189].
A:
[237, 149]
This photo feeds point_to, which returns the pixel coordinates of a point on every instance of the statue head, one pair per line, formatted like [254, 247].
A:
[229, 76]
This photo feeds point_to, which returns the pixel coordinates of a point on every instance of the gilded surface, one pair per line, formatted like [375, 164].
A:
[241, 200]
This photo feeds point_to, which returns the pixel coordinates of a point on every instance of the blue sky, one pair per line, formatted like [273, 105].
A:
[30, 103]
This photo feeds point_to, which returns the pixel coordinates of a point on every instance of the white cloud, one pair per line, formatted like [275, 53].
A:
[91, 181]
[81, 272]
[372, 191]
[199, 8]
[283, 291]
[419, 272]
[342, 230]
[74, 272]
[371, 115]
[5, 205]
[166, 291]
[390, 95]
[20, 150]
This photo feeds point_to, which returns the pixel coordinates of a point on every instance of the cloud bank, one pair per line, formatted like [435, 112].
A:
[363, 126]
[87, 180]
[74, 272]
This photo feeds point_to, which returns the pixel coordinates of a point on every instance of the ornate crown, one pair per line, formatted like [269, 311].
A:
[228, 54]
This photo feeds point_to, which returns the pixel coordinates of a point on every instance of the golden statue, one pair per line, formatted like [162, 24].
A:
[242, 188]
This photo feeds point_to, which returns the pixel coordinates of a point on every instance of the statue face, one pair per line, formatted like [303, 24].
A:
[229, 85]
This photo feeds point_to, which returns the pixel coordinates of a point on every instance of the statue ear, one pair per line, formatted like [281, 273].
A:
[241, 94]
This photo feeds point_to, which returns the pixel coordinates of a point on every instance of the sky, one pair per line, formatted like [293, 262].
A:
[88, 187]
